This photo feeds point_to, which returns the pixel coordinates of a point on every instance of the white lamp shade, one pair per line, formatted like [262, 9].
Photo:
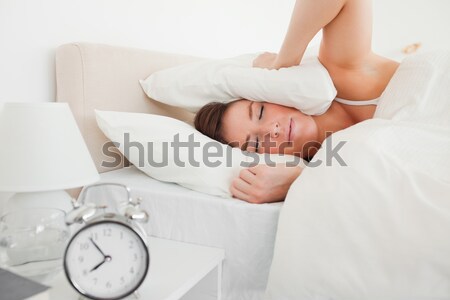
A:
[41, 149]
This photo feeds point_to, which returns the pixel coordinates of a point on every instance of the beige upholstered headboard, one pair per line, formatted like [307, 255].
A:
[94, 76]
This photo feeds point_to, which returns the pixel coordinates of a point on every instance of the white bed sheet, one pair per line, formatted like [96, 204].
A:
[245, 231]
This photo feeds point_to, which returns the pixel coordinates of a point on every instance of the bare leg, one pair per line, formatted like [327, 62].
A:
[308, 17]
[347, 39]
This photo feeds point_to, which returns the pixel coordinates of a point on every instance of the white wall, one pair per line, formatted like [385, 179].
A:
[398, 23]
[30, 30]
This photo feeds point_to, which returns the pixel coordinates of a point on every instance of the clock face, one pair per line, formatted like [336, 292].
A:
[106, 260]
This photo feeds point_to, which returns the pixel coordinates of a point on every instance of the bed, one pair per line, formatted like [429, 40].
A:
[374, 228]
[94, 76]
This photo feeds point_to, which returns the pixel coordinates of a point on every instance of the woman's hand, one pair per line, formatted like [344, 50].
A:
[265, 60]
[262, 183]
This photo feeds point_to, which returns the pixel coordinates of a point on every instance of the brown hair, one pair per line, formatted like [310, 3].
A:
[208, 120]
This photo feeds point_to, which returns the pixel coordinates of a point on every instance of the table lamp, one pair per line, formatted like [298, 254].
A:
[42, 153]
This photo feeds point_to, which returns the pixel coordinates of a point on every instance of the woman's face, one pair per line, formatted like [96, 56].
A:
[269, 128]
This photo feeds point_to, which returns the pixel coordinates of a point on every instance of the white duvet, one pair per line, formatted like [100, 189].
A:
[378, 228]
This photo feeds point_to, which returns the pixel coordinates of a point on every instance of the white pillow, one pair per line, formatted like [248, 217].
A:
[212, 175]
[307, 87]
[419, 90]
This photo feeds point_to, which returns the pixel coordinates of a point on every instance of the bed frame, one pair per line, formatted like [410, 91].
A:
[95, 76]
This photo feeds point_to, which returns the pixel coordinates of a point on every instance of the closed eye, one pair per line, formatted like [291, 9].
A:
[259, 118]
[261, 112]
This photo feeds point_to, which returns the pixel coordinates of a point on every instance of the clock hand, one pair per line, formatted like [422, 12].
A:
[97, 266]
[98, 248]
[107, 258]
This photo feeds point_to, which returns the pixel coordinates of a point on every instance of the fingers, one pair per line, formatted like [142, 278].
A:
[263, 183]
[264, 60]
[239, 194]
[267, 54]
[248, 175]
[241, 187]
[245, 192]
[257, 169]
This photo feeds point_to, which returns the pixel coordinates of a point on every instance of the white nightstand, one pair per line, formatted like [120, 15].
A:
[175, 268]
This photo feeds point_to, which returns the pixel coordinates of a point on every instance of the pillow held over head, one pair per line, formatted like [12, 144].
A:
[307, 87]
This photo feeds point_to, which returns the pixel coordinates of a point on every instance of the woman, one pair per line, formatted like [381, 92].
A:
[357, 73]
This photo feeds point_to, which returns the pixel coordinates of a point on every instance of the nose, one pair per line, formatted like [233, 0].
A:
[275, 132]
[273, 129]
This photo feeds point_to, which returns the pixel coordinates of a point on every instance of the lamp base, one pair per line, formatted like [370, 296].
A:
[54, 199]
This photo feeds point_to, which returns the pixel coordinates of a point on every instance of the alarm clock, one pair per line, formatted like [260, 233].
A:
[108, 257]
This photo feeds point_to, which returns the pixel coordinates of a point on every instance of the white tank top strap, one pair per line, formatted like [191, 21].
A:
[358, 102]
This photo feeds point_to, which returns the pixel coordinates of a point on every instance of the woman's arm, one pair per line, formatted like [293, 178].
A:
[346, 39]
[263, 183]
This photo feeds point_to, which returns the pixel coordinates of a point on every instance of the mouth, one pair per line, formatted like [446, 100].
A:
[290, 130]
